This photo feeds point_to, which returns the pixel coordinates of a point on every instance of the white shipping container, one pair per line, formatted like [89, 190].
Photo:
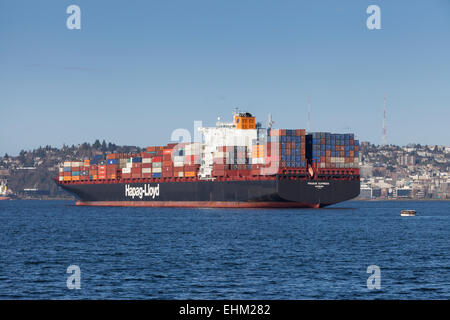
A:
[220, 154]
[61, 178]
[67, 164]
[146, 160]
[129, 165]
[257, 160]
[61, 169]
[146, 170]
[180, 174]
[126, 170]
[157, 170]
[178, 164]
[157, 164]
[178, 159]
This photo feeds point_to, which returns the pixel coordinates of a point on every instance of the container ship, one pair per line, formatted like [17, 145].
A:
[235, 164]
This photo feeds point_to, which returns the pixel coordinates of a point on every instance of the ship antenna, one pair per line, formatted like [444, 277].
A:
[270, 122]
[309, 113]
[383, 136]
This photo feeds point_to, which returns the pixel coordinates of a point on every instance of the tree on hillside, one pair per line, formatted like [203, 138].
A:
[96, 144]
[104, 146]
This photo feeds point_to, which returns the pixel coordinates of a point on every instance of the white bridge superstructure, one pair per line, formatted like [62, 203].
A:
[226, 134]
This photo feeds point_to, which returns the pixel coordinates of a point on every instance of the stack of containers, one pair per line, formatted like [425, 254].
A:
[230, 160]
[286, 148]
[61, 173]
[179, 159]
[167, 166]
[112, 165]
[126, 170]
[334, 150]
[77, 166]
[220, 165]
[157, 161]
[136, 167]
[146, 165]
[67, 171]
[96, 159]
[101, 169]
[84, 173]
[93, 171]
[257, 152]
[192, 153]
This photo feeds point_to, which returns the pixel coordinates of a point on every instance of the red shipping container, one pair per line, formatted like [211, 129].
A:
[136, 175]
[157, 159]
[220, 166]
[215, 161]
[146, 175]
[146, 165]
[136, 170]
[137, 165]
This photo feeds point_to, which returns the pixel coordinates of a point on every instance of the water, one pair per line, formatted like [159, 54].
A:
[152, 253]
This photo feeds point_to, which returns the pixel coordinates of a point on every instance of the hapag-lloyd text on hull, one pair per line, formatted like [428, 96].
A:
[146, 191]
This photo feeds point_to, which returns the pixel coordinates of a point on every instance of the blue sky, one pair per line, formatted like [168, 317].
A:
[139, 69]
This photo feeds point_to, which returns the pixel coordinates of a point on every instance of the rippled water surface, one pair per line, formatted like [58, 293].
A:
[152, 253]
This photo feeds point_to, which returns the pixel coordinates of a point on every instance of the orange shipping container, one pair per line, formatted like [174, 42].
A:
[189, 174]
